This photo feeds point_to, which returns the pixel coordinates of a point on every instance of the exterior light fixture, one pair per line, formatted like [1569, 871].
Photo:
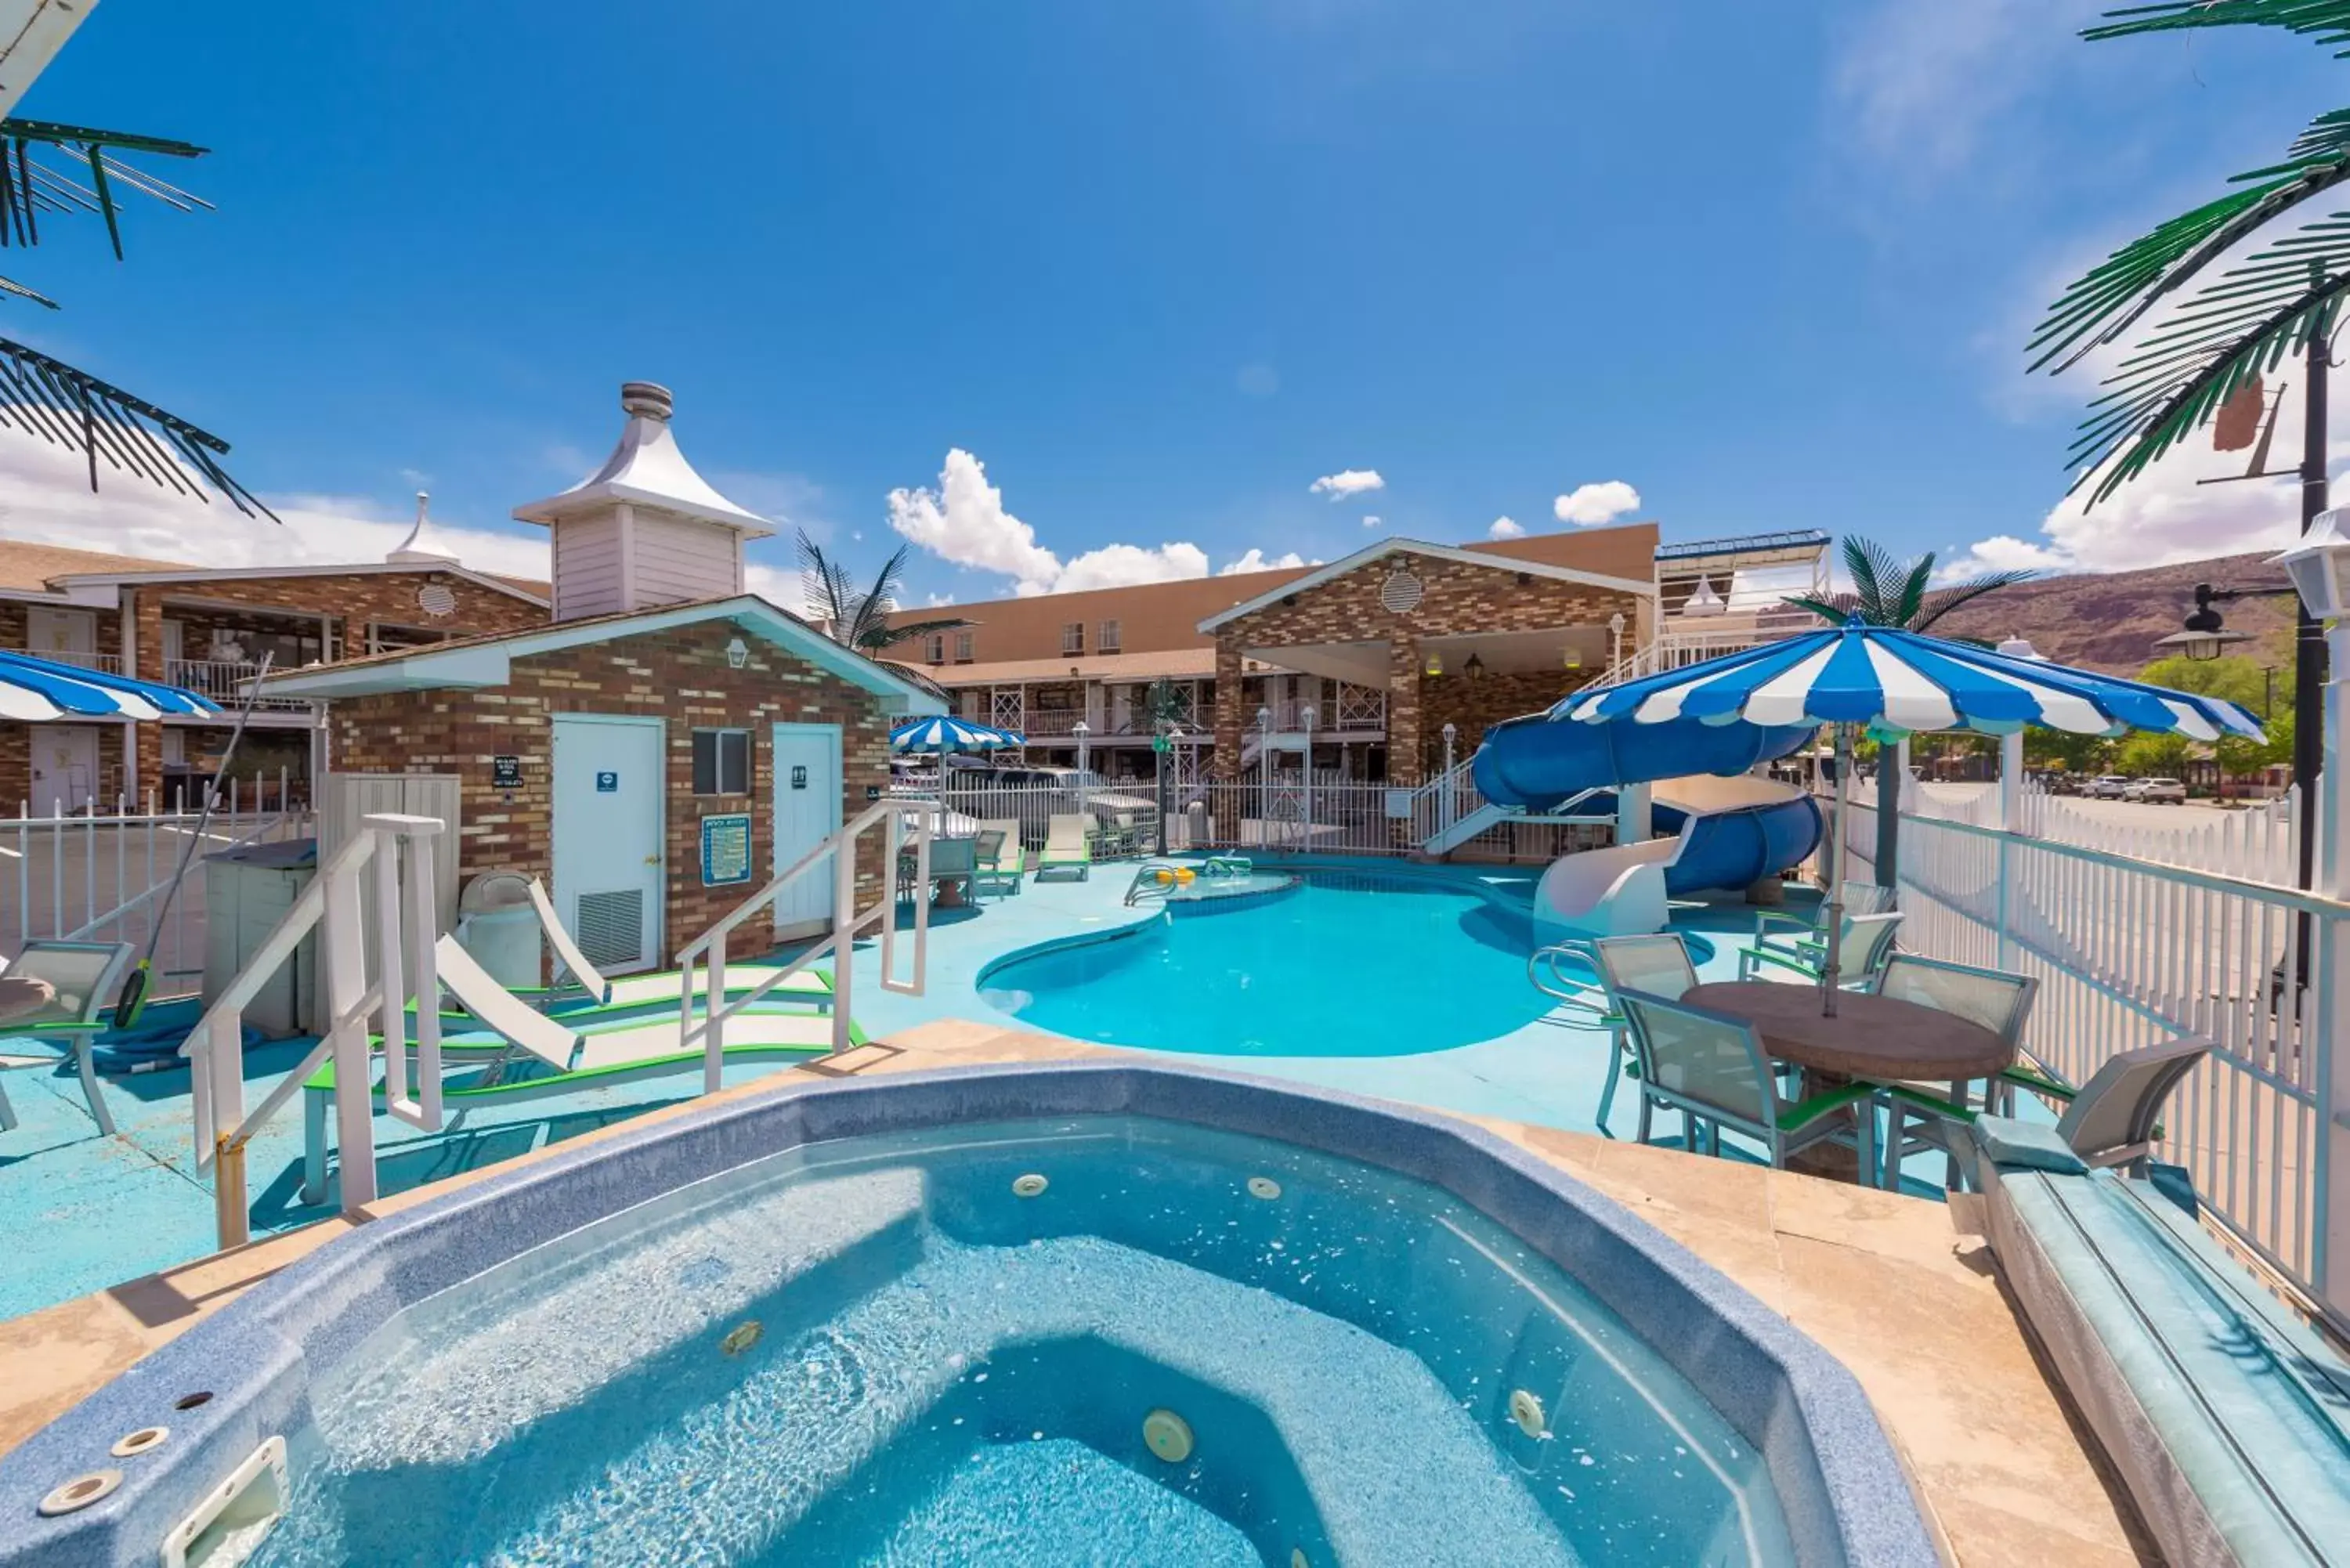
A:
[1474, 669]
[738, 654]
[1435, 665]
[1570, 660]
[2320, 567]
[2205, 633]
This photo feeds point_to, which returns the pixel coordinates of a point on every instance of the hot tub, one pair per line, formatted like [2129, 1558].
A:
[1048, 1314]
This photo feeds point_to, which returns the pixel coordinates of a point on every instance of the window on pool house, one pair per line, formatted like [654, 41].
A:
[1108, 643]
[722, 762]
[965, 648]
[937, 650]
[1073, 637]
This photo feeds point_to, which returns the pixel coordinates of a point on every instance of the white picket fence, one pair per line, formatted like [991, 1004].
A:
[2257, 843]
[2131, 950]
[95, 876]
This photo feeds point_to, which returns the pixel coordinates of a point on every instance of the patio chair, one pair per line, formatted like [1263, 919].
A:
[1867, 941]
[1712, 1067]
[1806, 936]
[1065, 847]
[1995, 999]
[1657, 965]
[2115, 1119]
[79, 978]
[1007, 862]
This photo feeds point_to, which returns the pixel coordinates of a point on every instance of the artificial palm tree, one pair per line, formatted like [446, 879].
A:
[855, 619]
[1897, 592]
[2284, 298]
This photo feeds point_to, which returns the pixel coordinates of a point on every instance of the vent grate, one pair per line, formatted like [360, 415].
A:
[1400, 593]
[612, 927]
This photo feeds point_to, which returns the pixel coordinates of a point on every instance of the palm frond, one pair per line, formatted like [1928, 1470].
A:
[50, 398]
[30, 186]
[1913, 591]
[1874, 572]
[888, 636]
[1951, 598]
[2328, 21]
[2116, 295]
[823, 586]
[2233, 330]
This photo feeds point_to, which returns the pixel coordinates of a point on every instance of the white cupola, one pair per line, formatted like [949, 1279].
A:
[424, 546]
[644, 529]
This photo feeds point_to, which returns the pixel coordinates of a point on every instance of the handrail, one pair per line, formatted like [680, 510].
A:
[215, 1047]
[710, 948]
[1568, 991]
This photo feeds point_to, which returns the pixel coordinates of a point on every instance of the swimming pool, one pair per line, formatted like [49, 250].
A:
[1372, 962]
[1078, 1313]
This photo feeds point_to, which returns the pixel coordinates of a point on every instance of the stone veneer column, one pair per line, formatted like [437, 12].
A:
[1403, 710]
[1225, 803]
[145, 608]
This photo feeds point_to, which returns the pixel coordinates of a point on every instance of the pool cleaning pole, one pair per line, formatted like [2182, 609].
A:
[1834, 865]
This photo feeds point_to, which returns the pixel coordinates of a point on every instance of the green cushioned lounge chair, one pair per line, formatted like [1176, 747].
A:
[1065, 846]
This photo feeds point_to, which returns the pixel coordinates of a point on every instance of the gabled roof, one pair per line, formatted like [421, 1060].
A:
[1369, 553]
[30, 566]
[474, 663]
[511, 587]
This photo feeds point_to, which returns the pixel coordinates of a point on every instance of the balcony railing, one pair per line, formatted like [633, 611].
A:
[104, 663]
[224, 681]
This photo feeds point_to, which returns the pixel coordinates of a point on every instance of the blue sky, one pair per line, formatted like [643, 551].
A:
[1157, 268]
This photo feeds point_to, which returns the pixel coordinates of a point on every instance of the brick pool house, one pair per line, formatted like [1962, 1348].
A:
[663, 747]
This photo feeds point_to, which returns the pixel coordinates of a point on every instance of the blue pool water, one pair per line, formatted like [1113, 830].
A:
[1352, 964]
[875, 1351]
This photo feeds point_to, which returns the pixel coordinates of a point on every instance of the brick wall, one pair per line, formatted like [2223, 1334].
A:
[680, 677]
[1456, 599]
[1471, 705]
[16, 739]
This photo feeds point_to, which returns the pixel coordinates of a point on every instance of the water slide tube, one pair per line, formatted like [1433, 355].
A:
[1729, 828]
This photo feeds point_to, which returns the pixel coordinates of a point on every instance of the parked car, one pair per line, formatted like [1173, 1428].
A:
[2106, 786]
[2161, 792]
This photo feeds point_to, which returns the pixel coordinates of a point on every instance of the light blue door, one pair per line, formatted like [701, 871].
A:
[609, 875]
[807, 812]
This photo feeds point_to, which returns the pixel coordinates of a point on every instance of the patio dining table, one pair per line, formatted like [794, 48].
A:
[1871, 1039]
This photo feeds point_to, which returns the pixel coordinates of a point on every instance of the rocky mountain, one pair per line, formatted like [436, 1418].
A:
[2110, 621]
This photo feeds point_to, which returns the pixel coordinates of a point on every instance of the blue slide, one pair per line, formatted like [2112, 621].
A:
[1537, 762]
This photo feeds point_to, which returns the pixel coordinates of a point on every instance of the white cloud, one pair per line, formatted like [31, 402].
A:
[1373, 520]
[937, 601]
[1506, 528]
[1924, 88]
[46, 499]
[1587, 504]
[1255, 560]
[964, 521]
[1347, 482]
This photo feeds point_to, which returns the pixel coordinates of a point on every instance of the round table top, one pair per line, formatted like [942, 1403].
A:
[22, 994]
[1874, 1037]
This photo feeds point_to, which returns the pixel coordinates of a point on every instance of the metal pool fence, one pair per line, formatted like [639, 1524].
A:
[93, 876]
[2129, 951]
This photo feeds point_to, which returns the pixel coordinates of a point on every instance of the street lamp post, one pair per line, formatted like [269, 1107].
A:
[1264, 777]
[1444, 784]
[1306, 809]
[1614, 640]
[1081, 732]
[2320, 568]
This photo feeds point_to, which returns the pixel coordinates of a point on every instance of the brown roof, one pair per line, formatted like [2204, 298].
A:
[30, 566]
[1176, 663]
[1159, 617]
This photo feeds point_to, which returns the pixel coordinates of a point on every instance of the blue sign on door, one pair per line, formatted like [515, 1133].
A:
[607, 784]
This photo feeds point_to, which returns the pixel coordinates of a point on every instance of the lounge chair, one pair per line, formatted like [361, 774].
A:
[1712, 1067]
[996, 864]
[1065, 846]
[1867, 942]
[80, 977]
[582, 993]
[1657, 965]
[572, 1052]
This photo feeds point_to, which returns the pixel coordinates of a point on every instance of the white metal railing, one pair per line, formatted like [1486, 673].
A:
[1448, 798]
[708, 951]
[2129, 951]
[104, 663]
[369, 866]
[99, 874]
[225, 681]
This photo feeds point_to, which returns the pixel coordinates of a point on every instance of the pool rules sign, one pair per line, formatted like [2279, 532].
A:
[726, 849]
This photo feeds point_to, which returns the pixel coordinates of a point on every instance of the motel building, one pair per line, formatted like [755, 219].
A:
[1359, 664]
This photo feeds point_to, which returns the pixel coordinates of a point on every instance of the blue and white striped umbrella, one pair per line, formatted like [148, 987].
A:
[38, 690]
[1858, 674]
[948, 734]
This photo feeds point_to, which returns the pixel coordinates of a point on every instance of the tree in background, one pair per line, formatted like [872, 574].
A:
[2247, 683]
[1887, 591]
[860, 619]
[2146, 754]
[2064, 751]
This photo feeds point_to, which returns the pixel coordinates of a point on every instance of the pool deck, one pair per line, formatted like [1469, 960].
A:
[1890, 1284]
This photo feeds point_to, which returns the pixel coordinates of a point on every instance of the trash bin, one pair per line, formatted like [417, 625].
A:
[503, 941]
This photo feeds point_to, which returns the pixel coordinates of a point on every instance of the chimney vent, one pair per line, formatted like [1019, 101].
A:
[648, 399]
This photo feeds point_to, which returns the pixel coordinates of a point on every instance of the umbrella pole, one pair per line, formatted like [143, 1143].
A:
[1829, 971]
